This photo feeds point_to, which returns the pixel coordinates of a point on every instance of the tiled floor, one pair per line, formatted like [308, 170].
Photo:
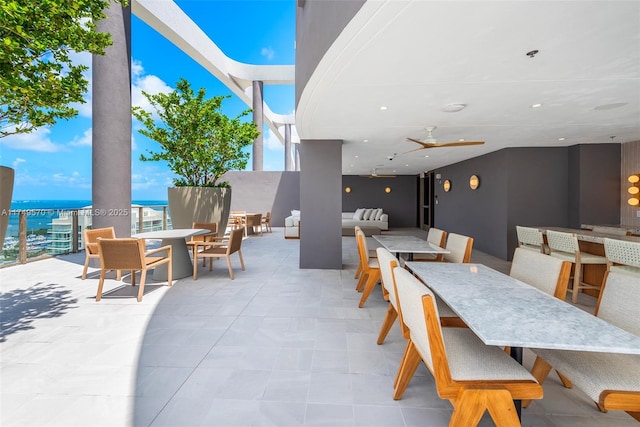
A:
[277, 346]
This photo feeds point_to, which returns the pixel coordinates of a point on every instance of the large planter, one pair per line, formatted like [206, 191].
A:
[199, 204]
[6, 192]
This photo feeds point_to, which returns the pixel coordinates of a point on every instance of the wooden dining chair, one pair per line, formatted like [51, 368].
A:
[266, 222]
[219, 247]
[459, 247]
[531, 239]
[387, 262]
[565, 246]
[612, 381]
[474, 377]
[622, 256]
[370, 274]
[371, 252]
[213, 232]
[90, 238]
[129, 254]
[437, 237]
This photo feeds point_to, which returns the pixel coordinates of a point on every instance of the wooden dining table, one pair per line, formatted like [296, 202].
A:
[181, 265]
[504, 311]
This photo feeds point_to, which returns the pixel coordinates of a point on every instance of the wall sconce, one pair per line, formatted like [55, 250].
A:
[446, 185]
[387, 189]
[347, 189]
[634, 190]
[474, 182]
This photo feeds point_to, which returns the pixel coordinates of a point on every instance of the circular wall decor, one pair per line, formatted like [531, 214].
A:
[474, 182]
[446, 185]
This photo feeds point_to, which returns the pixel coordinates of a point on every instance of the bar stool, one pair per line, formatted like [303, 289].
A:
[565, 246]
[622, 256]
[531, 239]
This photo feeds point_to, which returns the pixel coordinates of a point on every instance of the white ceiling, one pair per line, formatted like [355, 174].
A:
[415, 57]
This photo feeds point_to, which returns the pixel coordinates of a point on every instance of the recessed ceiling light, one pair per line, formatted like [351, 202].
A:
[356, 156]
[536, 105]
[427, 155]
[610, 106]
[407, 165]
[453, 108]
[561, 139]
[383, 108]
[461, 140]
[365, 140]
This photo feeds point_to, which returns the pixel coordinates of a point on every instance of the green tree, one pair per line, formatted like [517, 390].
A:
[38, 80]
[199, 142]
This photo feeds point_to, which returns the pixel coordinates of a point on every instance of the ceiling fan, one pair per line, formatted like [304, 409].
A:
[431, 142]
[375, 174]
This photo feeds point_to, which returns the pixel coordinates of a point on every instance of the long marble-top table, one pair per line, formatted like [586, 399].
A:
[409, 245]
[504, 311]
[591, 236]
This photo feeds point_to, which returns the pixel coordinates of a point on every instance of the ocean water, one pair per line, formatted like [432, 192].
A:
[41, 212]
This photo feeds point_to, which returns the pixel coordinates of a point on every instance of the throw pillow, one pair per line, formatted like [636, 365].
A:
[358, 214]
[367, 214]
[379, 214]
[295, 213]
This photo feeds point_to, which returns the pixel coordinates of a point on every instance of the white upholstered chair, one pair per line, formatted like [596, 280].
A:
[473, 376]
[459, 247]
[612, 381]
[565, 246]
[387, 262]
[437, 237]
[370, 274]
[622, 256]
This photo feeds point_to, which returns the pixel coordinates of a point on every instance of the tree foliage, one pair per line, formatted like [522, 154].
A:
[38, 80]
[198, 141]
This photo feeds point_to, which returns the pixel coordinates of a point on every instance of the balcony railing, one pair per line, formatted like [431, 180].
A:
[59, 239]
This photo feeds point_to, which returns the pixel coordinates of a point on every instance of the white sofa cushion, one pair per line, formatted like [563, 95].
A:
[295, 213]
[367, 214]
[378, 214]
[357, 215]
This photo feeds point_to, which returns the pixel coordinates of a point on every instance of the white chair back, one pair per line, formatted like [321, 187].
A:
[530, 238]
[435, 236]
[459, 247]
[619, 302]
[387, 262]
[622, 252]
[541, 271]
[562, 242]
[410, 292]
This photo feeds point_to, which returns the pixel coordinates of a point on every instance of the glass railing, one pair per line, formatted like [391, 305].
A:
[34, 234]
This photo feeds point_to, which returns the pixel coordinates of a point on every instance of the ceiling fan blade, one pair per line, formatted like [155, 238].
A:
[455, 144]
[423, 143]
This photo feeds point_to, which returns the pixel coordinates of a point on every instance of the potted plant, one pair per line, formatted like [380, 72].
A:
[199, 144]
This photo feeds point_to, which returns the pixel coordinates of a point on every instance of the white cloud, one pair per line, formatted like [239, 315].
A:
[271, 141]
[149, 83]
[82, 141]
[17, 162]
[268, 52]
[38, 140]
[84, 58]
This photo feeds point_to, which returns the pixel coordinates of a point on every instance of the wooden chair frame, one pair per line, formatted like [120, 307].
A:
[209, 237]
[370, 270]
[470, 399]
[219, 247]
[91, 250]
[129, 254]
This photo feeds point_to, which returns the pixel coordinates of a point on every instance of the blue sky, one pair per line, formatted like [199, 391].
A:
[55, 163]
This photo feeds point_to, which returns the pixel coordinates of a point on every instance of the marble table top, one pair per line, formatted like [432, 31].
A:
[409, 244]
[591, 236]
[504, 311]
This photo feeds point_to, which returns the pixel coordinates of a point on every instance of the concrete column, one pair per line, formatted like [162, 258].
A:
[258, 119]
[296, 156]
[321, 204]
[288, 162]
[111, 134]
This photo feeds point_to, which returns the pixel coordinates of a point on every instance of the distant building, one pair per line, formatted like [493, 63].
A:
[61, 229]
